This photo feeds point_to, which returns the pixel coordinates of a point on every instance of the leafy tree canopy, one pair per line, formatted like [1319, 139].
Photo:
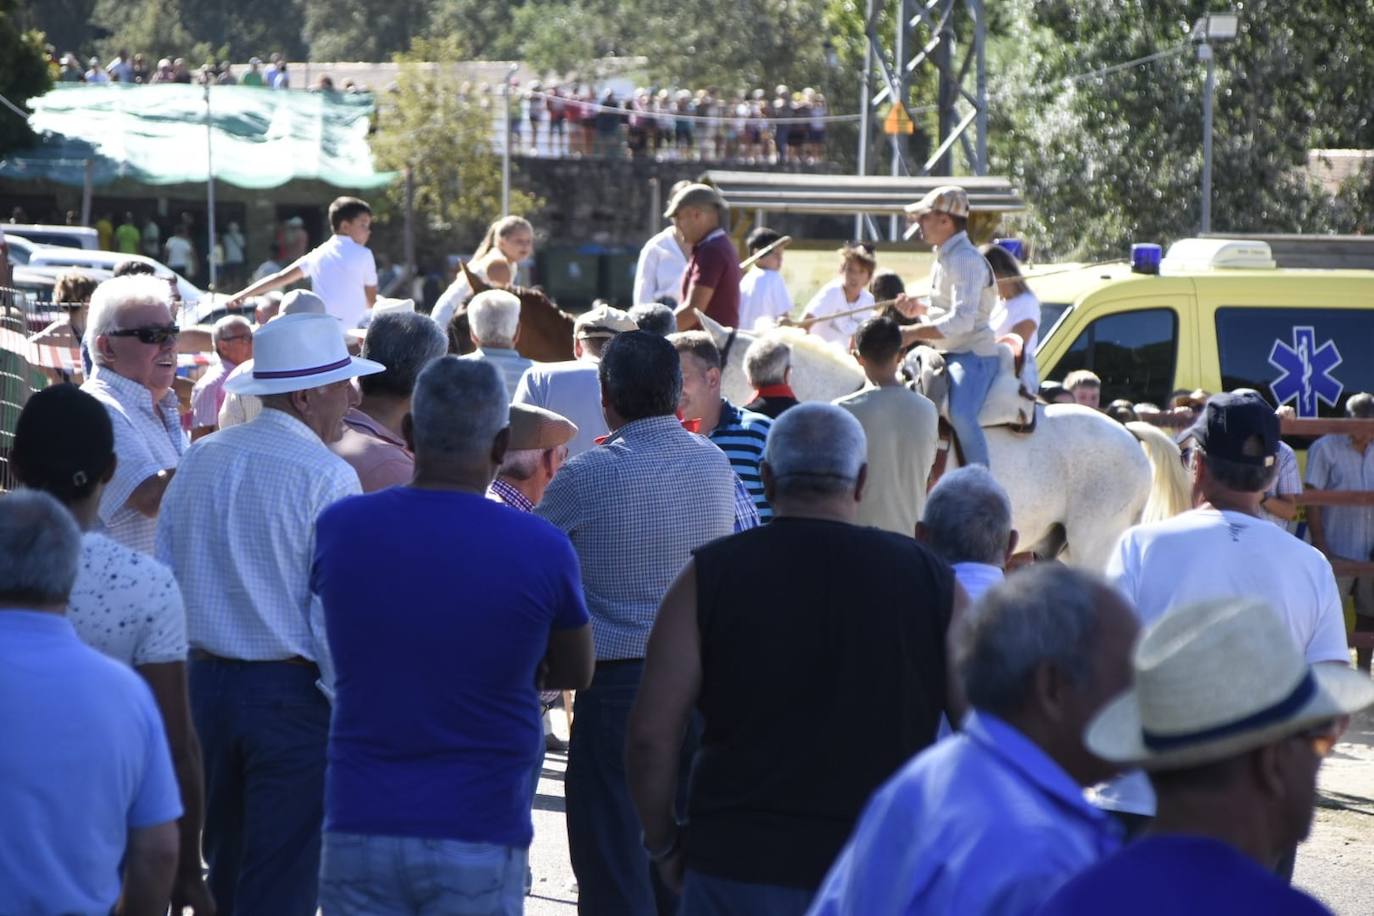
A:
[23, 74]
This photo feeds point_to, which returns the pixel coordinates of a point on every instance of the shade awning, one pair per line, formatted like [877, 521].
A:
[787, 192]
[156, 135]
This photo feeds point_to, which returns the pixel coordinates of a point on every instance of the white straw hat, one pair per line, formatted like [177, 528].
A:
[295, 352]
[1216, 679]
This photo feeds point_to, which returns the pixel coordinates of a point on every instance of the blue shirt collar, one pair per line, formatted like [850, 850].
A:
[1008, 744]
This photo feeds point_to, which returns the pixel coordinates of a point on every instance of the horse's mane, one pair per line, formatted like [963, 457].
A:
[798, 339]
[1170, 489]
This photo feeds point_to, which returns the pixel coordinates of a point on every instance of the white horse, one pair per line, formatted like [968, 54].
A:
[1075, 483]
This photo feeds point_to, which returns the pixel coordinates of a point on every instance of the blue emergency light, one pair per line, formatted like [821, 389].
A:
[1016, 247]
[1145, 258]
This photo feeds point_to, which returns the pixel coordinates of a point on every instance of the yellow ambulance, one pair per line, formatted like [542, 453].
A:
[1215, 314]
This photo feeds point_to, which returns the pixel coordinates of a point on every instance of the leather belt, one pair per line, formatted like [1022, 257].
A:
[618, 662]
[200, 655]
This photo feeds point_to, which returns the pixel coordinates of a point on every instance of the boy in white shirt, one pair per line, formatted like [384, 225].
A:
[341, 271]
[762, 292]
[846, 293]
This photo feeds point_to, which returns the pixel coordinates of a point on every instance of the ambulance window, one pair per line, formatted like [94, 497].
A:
[1305, 357]
[1132, 352]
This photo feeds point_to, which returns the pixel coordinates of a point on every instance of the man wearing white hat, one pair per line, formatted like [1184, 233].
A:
[1232, 724]
[963, 293]
[238, 530]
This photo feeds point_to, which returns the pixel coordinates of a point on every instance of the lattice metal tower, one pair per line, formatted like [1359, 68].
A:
[947, 36]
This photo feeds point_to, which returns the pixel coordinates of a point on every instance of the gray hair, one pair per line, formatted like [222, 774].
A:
[494, 317]
[1360, 405]
[815, 449]
[40, 549]
[113, 297]
[405, 343]
[1044, 614]
[766, 361]
[654, 317]
[968, 517]
[224, 324]
[459, 406]
[521, 463]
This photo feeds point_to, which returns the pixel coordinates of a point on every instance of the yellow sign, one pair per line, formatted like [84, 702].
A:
[898, 121]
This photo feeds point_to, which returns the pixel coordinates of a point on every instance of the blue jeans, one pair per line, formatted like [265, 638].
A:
[386, 875]
[263, 728]
[970, 378]
[614, 874]
[707, 895]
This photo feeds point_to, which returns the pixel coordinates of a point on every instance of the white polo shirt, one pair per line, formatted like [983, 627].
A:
[338, 270]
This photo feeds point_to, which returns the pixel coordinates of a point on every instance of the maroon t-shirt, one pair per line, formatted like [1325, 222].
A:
[715, 264]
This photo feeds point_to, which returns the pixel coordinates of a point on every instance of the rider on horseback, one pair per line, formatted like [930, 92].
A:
[962, 296]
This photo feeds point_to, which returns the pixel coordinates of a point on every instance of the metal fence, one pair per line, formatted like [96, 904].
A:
[19, 374]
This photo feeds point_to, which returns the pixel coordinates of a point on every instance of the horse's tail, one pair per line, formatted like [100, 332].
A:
[1170, 490]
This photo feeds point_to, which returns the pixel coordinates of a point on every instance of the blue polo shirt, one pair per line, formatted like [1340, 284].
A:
[438, 607]
[83, 760]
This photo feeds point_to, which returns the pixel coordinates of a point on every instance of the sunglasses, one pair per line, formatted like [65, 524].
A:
[152, 335]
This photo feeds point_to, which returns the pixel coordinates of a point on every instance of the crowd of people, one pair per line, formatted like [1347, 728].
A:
[313, 641]
[275, 73]
[779, 127]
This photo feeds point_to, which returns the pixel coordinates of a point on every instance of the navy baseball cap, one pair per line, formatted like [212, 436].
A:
[1239, 426]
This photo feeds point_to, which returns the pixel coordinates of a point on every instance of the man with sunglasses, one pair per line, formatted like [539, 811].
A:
[1232, 724]
[132, 340]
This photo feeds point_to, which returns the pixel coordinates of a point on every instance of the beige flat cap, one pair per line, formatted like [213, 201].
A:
[534, 427]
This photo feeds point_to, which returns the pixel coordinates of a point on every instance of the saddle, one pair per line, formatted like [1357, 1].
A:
[1008, 403]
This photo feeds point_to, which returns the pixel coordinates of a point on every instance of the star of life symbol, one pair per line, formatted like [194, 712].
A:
[1306, 372]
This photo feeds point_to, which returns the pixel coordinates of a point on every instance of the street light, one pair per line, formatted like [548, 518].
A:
[1210, 28]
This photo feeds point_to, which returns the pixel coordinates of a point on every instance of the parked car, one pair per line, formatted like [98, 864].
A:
[67, 236]
[107, 260]
[34, 286]
[18, 249]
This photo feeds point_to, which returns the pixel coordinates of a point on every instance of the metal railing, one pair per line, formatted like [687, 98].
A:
[19, 375]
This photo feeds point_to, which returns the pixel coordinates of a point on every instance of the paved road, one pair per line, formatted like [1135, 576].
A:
[1336, 863]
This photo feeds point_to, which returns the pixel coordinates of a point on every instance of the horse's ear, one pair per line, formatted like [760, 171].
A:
[475, 283]
[719, 333]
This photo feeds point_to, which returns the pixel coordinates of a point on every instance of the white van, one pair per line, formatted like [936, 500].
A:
[107, 260]
[66, 236]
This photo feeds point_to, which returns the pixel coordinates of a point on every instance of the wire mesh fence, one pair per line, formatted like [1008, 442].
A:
[21, 316]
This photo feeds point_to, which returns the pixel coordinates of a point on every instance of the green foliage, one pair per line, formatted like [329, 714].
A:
[444, 137]
[1116, 159]
[362, 29]
[23, 75]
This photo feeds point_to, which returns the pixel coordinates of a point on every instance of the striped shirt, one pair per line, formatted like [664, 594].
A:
[1287, 483]
[147, 438]
[741, 435]
[238, 529]
[635, 509]
[1334, 464]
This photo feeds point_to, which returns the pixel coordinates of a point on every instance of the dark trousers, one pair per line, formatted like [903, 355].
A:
[263, 728]
[614, 874]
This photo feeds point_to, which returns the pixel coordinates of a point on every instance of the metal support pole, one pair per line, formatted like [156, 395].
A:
[1204, 52]
[505, 147]
[87, 190]
[210, 190]
[902, 99]
[980, 34]
[410, 223]
[864, 112]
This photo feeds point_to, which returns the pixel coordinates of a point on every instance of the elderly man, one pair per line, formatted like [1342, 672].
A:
[133, 342]
[238, 530]
[1224, 549]
[768, 368]
[635, 509]
[1346, 462]
[409, 781]
[765, 648]
[232, 338]
[901, 426]
[494, 326]
[1232, 724]
[87, 795]
[993, 820]
[537, 449]
[741, 434]
[967, 522]
[963, 295]
[710, 283]
[572, 389]
[373, 440]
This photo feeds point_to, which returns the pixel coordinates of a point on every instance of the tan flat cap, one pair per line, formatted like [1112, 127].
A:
[603, 321]
[948, 198]
[695, 195]
[534, 427]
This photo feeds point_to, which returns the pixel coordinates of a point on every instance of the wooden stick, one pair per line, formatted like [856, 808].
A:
[763, 253]
[807, 322]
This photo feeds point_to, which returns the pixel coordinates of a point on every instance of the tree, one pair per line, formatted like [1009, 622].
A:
[362, 29]
[23, 75]
[443, 137]
[201, 29]
[1111, 160]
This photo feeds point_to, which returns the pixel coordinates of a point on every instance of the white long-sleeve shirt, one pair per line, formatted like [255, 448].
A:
[762, 294]
[660, 269]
